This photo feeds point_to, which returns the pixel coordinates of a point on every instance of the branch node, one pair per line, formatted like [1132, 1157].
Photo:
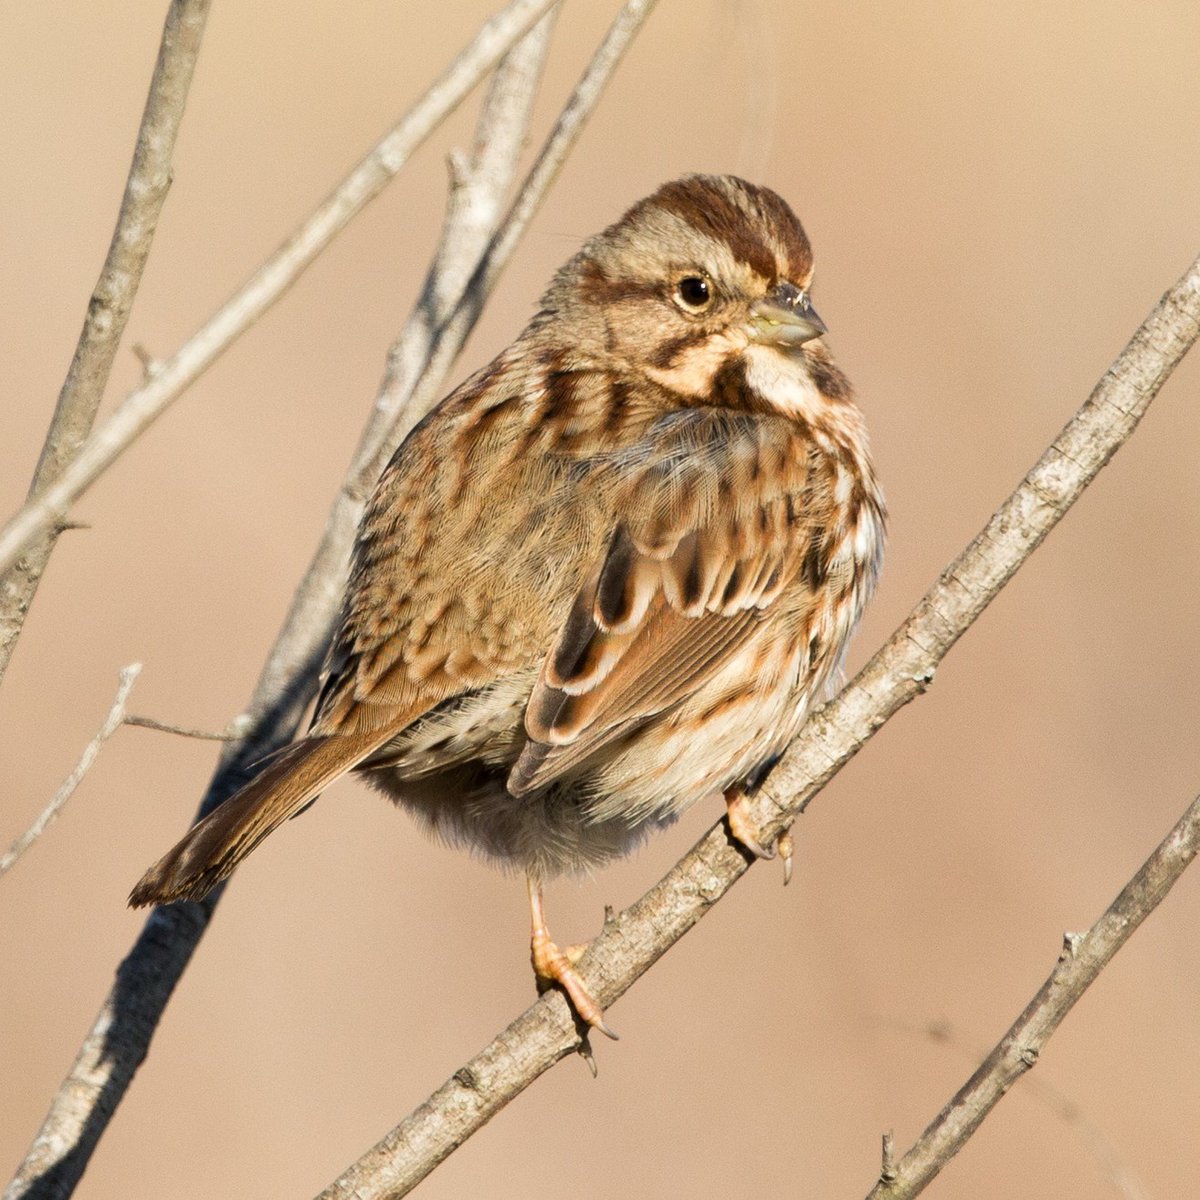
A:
[240, 725]
[887, 1171]
[458, 168]
[1070, 947]
[923, 679]
[467, 1078]
[151, 366]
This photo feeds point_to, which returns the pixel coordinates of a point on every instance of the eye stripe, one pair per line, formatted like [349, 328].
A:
[669, 353]
[597, 288]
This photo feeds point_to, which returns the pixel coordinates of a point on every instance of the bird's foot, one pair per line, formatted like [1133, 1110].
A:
[746, 834]
[552, 965]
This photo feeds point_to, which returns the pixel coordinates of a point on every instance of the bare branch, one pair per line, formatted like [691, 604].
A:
[887, 1167]
[114, 720]
[112, 300]
[147, 402]
[1082, 959]
[121, 1034]
[633, 941]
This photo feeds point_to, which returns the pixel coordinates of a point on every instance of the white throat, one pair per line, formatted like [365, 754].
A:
[781, 379]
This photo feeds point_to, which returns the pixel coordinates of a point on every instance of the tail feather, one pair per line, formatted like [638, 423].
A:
[213, 847]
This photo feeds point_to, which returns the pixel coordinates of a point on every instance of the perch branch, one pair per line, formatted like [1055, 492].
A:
[634, 940]
[1082, 959]
[114, 720]
[147, 402]
[112, 299]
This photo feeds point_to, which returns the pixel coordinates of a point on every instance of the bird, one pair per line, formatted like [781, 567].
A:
[610, 574]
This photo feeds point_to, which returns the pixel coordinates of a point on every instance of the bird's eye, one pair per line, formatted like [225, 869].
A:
[693, 292]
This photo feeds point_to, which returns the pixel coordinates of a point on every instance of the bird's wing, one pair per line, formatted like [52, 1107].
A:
[450, 587]
[715, 519]
[418, 626]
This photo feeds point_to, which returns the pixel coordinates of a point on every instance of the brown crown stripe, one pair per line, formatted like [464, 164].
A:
[710, 211]
[787, 228]
[705, 204]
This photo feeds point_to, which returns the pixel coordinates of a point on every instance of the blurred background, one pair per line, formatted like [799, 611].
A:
[997, 193]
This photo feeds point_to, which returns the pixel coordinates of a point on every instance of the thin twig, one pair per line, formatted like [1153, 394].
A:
[632, 942]
[147, 402]
[119, 1038]
[112, 299]
[1082, 959]
[1109, 1161]
[231, 733]
[114, 720]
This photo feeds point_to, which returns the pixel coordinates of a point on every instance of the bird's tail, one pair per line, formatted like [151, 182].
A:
[213, 847]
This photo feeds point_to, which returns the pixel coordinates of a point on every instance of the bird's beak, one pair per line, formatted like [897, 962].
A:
[784, 317]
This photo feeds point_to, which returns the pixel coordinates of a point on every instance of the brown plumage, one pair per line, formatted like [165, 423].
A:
[608, 574]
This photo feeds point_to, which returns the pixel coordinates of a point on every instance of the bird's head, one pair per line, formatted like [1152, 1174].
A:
[704, 288]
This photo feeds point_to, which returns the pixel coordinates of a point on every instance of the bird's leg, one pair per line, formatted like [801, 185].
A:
[745, 832]
[552, 965]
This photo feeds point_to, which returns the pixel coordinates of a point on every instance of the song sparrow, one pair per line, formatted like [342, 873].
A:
[606, 576]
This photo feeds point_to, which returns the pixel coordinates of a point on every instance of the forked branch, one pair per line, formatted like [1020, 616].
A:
[121, 1034]
[172, 376]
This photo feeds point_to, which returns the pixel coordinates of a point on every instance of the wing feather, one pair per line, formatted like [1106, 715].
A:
[707, 543]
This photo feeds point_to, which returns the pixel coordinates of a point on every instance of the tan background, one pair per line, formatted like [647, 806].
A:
[997, 192]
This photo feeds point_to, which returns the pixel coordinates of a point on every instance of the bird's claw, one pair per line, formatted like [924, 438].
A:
[554, 966]
[785, 847]
[746, 834]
